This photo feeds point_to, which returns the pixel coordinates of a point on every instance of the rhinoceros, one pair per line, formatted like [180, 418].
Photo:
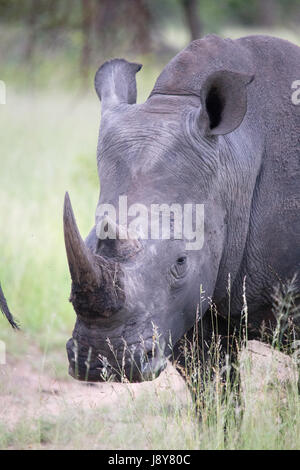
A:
[219, 129]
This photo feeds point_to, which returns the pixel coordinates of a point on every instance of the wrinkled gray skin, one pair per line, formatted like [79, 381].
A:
[219, 128]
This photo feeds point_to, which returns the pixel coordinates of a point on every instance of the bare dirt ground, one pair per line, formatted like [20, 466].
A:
[33, 390]
[41, 407]
[29, 386]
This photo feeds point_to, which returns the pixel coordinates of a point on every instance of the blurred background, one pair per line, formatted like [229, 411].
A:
[62, 42]
[49, 53]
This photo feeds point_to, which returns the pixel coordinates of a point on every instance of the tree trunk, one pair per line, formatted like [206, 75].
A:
[31, 21]
[141, 20]
[105, 22]
[268, 13]
[192, 18]
[86, 39]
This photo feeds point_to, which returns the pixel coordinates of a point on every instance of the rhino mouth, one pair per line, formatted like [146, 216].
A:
[92, 367]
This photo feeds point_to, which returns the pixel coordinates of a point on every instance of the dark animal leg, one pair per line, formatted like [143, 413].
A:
[5, 310]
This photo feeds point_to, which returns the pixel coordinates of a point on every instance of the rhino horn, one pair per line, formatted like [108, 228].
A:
[126, 242]
[82, 264]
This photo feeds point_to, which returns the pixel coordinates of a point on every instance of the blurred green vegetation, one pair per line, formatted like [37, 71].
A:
[51, 43]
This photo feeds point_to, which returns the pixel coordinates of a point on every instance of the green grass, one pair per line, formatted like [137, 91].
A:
[48, 145]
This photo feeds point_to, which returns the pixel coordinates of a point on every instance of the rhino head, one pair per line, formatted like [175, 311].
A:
[135, 296]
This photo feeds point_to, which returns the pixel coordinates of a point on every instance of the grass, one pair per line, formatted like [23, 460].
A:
[38, 164]
[48, 145]
[256, 407]
[157, 418]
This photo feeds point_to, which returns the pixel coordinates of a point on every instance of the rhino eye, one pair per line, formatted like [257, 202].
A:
[178, 270]
[181, 261]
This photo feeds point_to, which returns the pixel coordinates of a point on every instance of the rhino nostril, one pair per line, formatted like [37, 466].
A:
[149, 354]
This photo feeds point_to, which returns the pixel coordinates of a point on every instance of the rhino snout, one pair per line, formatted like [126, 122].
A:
[145, 363]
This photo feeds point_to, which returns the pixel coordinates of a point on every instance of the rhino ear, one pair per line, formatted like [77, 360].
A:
[223, 99]
[115, 82]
